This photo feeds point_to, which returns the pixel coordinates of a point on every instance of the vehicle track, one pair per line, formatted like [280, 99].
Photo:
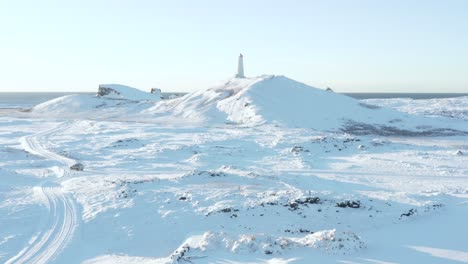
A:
[37, 144]
[63, 215]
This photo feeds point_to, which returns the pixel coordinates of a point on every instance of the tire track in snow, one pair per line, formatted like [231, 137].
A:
[34, 144]
[62, 209]
[59, 229]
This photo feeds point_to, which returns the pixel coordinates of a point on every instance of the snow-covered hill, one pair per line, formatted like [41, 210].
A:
[111, 101]
[280, 100]
[266, 99]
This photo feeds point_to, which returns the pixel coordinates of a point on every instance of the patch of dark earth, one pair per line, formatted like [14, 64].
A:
[210, 173]
[357, 128]
[299, 231]
[414, 211]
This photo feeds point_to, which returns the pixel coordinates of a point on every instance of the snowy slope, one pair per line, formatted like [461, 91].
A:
[83, 106]
[111, 101]
[202, 105]
[294, 104]
[279, 100]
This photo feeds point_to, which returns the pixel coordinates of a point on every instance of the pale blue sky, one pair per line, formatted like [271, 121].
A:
[351, 46]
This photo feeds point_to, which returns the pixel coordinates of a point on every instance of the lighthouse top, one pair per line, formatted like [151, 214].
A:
[240, 67]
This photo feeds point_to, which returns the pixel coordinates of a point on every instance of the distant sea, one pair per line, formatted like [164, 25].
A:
[28, 100]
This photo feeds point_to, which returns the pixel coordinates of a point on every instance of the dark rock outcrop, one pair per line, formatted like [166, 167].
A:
[77, 167]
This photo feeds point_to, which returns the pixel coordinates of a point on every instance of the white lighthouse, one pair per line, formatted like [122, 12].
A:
[240, 67]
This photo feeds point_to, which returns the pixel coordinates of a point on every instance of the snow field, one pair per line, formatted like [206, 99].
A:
[240, 173]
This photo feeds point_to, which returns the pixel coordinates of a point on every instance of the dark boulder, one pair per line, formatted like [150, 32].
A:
[77, 167]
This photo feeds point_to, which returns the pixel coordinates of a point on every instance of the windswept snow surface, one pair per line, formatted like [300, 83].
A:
[255, 170]
[456, 107]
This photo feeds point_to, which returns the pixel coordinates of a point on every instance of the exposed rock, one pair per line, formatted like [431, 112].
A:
[294, 205]
[297, 149]
[77, 167]
[410, 212]
[350, 204]
[212, 173]
[118, 91]
[299, 231]
[103, 91]
[309, 200]
[228, 210]
[157, 92]
[459, 153]
[180, 254]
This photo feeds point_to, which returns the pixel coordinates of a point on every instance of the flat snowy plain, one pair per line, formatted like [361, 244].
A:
[256, 170]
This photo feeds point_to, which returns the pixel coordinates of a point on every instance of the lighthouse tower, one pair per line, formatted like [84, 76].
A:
[240, 67]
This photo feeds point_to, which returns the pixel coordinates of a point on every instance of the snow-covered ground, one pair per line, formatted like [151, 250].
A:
[256, 170]
[456, 107]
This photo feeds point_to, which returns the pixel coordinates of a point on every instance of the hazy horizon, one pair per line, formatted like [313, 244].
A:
[182, 46]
